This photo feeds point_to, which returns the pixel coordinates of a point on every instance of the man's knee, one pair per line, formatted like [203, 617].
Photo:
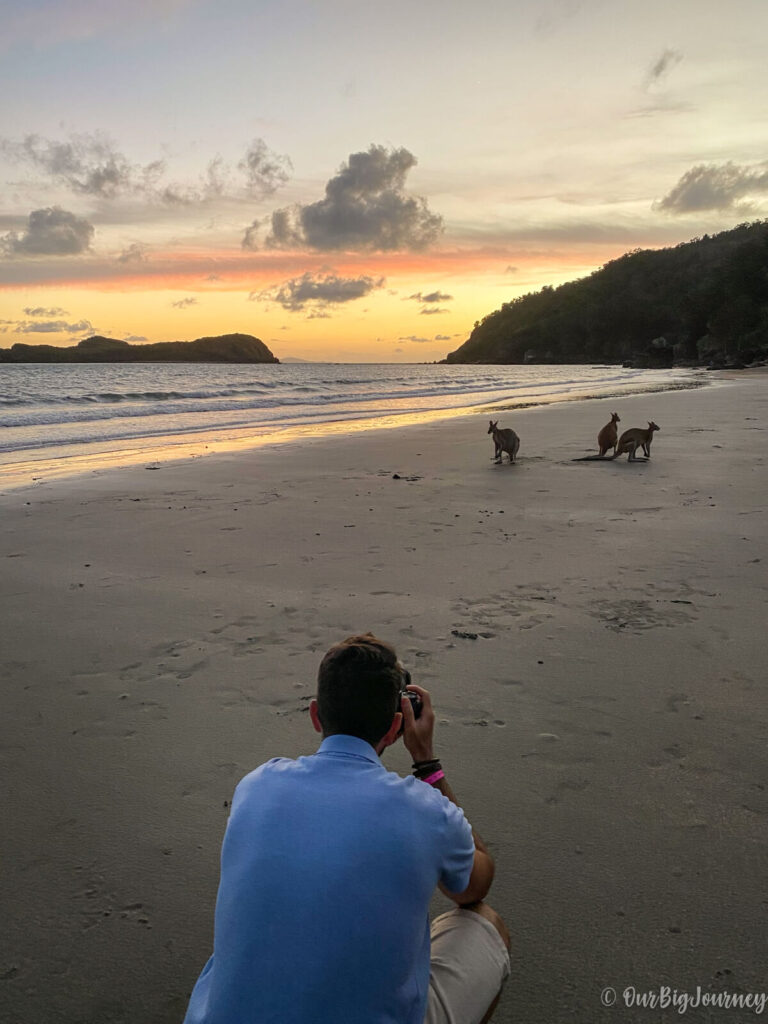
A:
[492, 917]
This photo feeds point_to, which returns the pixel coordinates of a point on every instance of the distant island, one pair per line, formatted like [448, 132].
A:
[703, 302]
[226, 348]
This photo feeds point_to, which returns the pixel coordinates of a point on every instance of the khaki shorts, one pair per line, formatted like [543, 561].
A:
[469, 965]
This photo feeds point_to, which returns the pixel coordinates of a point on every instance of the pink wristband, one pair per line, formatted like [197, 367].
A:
[432, 779]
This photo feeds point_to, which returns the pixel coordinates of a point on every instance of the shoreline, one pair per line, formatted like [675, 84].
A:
[82, 460]
[591, 635]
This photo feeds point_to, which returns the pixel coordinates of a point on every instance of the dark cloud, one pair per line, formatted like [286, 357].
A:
[429, 300]
[442, 337]
[53, 327]
[431, 297]
[92, 164]
[134, 253]
[415, 339]
[135, 337]
[50, 232]
[662, 66]
[713, 187]
[284, 229]
[365, 208]
[184, 303]
[87, 164]
[264, 170]
[44, 311]
[217, 179]
[319, 291]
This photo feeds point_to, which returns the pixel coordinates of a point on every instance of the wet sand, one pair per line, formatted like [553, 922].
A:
[593, 636]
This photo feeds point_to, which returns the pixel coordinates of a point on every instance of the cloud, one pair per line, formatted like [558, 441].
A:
[319, 291]
[50, 232]
[93, 165]
[53, 327]
[662, 66]
[431, 297]
[88, 164]
[713, 187]
[415, 339]
[184, 303]
[442, 337]
[134, 253]
[264, 170]
[660, 106]
[431, 311]
[135, 337]
[365, 208]
[43, 311]
[511, 270]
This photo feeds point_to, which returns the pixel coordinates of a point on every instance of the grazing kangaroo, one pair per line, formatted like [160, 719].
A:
[628, 443]
[505, 440]
[609, 435]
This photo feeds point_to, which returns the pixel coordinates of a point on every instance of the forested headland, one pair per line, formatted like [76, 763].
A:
[226, 348]
[703, 302]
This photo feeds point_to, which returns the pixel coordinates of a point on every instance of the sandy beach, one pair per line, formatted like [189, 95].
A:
[593, 636]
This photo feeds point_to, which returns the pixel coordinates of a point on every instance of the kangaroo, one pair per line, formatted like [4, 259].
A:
[628, 443]
[647, 443]
[496, 448]
[505, 440]
[609, 435]
[635, 438]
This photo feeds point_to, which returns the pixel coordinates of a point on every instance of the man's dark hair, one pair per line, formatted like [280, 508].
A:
[358, 687]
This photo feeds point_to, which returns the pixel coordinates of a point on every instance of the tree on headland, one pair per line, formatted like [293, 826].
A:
[702, 301]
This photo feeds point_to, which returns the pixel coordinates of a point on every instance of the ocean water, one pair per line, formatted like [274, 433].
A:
[53, 413]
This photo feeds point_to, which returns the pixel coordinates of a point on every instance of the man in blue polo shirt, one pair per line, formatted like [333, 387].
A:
[328, 866]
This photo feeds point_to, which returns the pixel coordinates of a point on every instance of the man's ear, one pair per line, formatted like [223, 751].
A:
[392, 733]
[313, 714]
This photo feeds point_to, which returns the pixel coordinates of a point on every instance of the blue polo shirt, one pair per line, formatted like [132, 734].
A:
[327, 869]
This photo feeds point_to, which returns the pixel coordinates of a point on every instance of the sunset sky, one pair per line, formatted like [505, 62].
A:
[352, 181]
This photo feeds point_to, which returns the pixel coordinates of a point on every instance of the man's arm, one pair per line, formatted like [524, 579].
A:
[417, 737]
[482, 868]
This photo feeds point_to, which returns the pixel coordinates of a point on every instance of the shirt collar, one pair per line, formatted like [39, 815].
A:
[349, 746]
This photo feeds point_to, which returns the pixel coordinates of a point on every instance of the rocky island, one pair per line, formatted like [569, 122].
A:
[226, 348]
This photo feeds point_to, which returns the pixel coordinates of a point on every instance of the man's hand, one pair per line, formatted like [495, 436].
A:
[417, 732]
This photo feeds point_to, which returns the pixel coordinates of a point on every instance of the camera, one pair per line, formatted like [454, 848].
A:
[414, 698]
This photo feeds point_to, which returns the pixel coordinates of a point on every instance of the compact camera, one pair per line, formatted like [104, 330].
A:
[414, 698]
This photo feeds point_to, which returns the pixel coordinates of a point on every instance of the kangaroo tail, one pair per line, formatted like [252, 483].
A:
[596, 458]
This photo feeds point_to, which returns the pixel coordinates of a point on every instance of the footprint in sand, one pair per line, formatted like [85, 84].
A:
[637, 616]
[524, 608]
